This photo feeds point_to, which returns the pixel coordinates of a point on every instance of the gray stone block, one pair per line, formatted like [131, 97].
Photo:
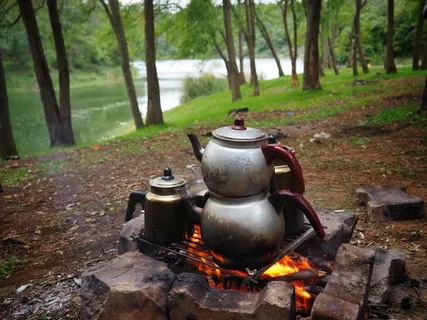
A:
[389, 268]
[350, 281]
[339, 229]
[389, 203]
[327, 307]
[191, 297]
[130, 232]
[130, 287]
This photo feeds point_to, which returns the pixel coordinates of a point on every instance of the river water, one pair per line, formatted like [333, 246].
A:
[103, 112]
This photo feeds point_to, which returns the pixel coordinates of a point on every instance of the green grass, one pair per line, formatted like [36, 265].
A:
[7, 266]
[406, 113]
[14, 176]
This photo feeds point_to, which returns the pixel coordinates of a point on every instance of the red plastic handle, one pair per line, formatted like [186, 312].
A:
[280, 197]
[275, 151]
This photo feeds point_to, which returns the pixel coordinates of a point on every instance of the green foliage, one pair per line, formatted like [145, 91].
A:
[7, 266]
[204, 85]
[401, 114]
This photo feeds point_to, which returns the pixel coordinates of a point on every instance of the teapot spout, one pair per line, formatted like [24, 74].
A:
[197, 148]
[192, 209]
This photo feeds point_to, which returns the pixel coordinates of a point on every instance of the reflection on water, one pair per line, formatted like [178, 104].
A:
[103, 112]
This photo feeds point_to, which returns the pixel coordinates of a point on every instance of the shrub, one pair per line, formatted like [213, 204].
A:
[204, 85]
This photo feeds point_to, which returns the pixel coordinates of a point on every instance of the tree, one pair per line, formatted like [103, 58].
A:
[47, 93]
[311, 54]
[264, 32]
[7, 143]
[117, 25]
[418, 39]
[250, 37]
[154, 111]
[357, 43]
[234, 73]
[390, 65]
[293, 53]
[63, 71]
[241, 53]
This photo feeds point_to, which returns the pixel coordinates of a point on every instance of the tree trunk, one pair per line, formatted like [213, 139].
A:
[331, 52]
[295, 80]
[424, 56]
[311, 54]
[418, 39]
[267, 38]
[351, 47]
[234, 74]
[390, 65]
[423, 106]
[154, 110]
[47, 93]
[250, 23]
[241, 60]
[63, 71]
[362, 55]
[292, 52]
[117, 25]
[7, 143]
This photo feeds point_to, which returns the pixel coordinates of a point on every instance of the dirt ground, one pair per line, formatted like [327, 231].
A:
[70, 214]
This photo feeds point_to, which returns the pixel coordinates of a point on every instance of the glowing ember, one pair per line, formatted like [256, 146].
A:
[287, 265]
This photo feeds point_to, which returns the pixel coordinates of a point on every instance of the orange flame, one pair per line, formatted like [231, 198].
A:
[287, 265]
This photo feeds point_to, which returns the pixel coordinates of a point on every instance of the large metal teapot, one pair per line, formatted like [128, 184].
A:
[237, 162]
[246, 232]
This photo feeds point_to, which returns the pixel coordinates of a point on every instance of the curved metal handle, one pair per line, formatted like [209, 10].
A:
[275, 151]
[197, 148]
[279, 198]
[196, 171]
[135, 197]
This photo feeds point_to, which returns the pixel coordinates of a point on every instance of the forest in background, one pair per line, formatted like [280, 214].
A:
[91, 43]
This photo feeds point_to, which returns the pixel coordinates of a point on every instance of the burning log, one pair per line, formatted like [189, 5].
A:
[313, 289]
[303, 275]
[321, 264]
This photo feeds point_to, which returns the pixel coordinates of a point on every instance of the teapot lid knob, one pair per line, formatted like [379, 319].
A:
[271, 139]
[239, 124]
[167, 174]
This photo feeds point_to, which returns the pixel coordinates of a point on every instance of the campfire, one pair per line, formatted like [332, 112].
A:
[291, 266]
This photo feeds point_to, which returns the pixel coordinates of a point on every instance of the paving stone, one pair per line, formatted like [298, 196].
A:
[389, 268]
[191, 297]
[130, 232]
[389, 203]
[327, 307]
[339, 229]
[131, 286]
[350, 280]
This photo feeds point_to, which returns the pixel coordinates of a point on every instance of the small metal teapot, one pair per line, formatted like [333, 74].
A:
[165, 219]
[237, 162]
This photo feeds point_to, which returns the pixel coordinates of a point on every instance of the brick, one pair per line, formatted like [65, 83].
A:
[191, 297]
[390, 203]
[130, 232]
[130, 287]
[327, 307]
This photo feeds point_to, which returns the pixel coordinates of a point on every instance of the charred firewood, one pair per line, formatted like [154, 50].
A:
[321, 264]
[313, 289]
[303, 275]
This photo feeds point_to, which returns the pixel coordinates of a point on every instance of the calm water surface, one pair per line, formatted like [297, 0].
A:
[103, 112]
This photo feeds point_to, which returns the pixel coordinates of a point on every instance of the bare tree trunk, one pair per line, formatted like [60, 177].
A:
[351, 47]
[390, 65]
[325, 54]
[154, 110]
[241, 59]
[47, 93]
[63, 71]
[241, 53]
[267, 38]
[331, 52]
[292, 50]
[311, 54]
[7, 143]
[117, 25]
[418, 39]
[295, 80]
[362, 55]
[424, 56]
[423, 106]
[234, 74]
[250, 23]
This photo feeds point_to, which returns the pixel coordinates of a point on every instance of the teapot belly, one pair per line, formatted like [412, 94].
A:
[242, 236]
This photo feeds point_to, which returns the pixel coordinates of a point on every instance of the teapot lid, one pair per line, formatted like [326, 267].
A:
[168, 180]
[238, 132]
